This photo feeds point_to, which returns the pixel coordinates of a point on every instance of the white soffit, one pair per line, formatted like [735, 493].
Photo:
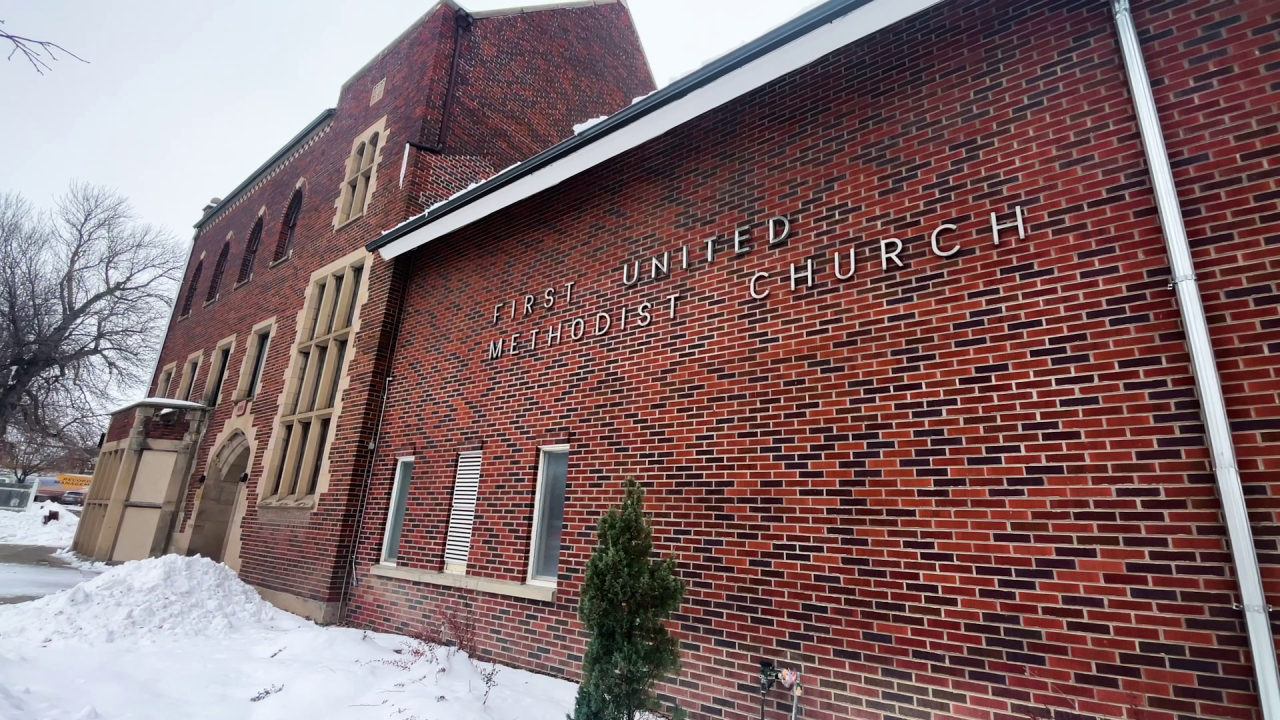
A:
[805, 49]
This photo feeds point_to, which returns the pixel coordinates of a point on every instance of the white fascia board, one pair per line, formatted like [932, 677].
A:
[802, 51]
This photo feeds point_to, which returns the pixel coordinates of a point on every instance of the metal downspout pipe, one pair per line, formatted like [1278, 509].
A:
[1208, 386]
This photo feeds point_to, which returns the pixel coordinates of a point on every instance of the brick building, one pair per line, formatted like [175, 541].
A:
[254, 448]
[879, 309]
[900, 313]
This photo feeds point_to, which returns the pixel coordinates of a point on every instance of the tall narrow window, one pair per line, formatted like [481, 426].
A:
[395, 513]
[259, 357]
[162, 387]
[250, 252]
[189, 378]
[548, 516]
[360, 179]
[316, 373]
[219, 375]
[466, 486]
[284, 244]
[215, 280]
[191, 289]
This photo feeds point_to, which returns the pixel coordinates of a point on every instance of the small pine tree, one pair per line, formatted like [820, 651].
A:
[625, 597]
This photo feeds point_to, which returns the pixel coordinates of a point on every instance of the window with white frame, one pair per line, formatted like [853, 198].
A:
[361, 174]
[312, 390]
[548, 515]
[462, 512]
[395, 512]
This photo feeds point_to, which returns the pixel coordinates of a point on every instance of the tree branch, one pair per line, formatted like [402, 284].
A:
[35, 50]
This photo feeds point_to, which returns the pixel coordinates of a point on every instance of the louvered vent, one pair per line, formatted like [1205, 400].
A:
[466, 484]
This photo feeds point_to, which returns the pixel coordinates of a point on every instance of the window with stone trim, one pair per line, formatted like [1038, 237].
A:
[261, 341]
[361, 174]
[191, 290]
[312, 389]
[166, 377]
[215, 280]
[189, 372]
[288, 226]
[221, 359]
[250, 252]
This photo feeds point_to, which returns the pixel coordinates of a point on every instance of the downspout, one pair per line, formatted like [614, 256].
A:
[349, 579]
[462, 22]
[1208, 386]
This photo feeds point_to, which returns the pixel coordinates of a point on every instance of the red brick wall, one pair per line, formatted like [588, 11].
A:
[495, 63]
[970, 487]
[308, 557]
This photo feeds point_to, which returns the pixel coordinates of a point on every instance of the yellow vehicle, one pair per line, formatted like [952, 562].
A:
[75, 482]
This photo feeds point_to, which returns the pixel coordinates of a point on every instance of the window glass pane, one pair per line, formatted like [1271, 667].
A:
[304, 432]
[315, 309]
[339, 353]
[356, 274]
[260, 355]
[395, 514]
[333, 304]
[546, 560]
[320, 445]
[223, 356]
[318, 375]
[302, 373]
[284, 457]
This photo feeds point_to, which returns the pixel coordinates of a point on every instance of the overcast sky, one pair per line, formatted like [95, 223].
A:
[180, 100]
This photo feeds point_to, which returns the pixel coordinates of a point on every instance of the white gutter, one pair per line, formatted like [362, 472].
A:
[1208, 386]
[802, 51]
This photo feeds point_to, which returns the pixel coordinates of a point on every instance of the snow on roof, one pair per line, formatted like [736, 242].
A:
[791, 46]
[160, 402]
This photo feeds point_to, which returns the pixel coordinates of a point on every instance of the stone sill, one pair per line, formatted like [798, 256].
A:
[285, 503]
[487, 585]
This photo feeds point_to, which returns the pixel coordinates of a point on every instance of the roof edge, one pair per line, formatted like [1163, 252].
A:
[386, 48]
[298, 139]
[527, 9]
[159, 402]
[773, 42]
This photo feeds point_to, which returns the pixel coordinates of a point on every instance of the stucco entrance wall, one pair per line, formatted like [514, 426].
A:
[972, 484]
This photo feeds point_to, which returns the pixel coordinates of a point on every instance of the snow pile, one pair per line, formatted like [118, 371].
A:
[27, 527]
[165, 597]
[580, 127]
[80, 563]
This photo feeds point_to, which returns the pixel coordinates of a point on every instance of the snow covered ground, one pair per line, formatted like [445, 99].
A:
[27, 581]
[28, 528]
[183, 637]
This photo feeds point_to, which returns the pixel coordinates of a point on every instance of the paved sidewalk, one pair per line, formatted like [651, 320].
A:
[31, 571]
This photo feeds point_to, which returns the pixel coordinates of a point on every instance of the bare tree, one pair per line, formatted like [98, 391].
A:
[26, 453]
[35, 50]
[85, 292]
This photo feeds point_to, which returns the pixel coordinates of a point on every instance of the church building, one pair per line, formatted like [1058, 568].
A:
[943, 335]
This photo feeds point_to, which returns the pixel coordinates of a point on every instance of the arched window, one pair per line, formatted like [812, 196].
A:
[191, 289]
[216, 280]
[285, 242]
[250, 252]
[359, 177]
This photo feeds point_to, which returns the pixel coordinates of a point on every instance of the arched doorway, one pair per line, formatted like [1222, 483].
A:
[217, 505]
